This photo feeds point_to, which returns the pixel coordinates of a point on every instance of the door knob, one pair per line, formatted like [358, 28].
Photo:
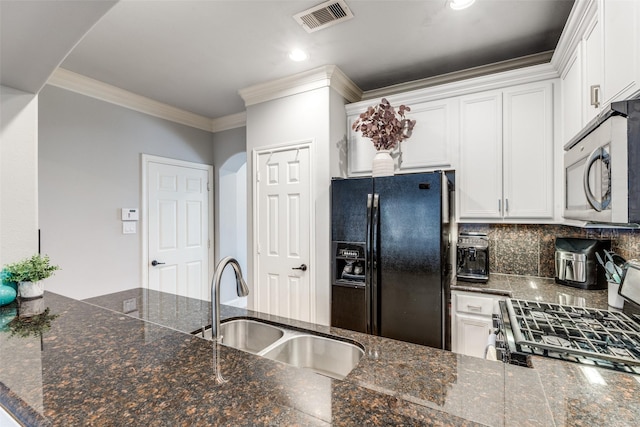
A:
[154, 263]
[302, 267]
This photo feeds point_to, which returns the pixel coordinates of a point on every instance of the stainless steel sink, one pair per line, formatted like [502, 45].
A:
[323, 355]
[247, 335]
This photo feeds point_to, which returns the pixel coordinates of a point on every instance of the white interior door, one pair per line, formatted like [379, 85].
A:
[178, 229]
[283, 233]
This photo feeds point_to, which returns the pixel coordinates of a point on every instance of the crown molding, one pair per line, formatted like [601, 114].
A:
[326, 76]
[483, 83]
[463, 75]
[83, 85]
[231, 121]
[582, 14]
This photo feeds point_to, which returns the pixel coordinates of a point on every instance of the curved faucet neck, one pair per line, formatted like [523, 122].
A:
[241, 290]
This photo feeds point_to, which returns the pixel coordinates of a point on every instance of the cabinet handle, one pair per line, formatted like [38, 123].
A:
[474, 308]
[595, 95]
[500, 206]
[506, 205]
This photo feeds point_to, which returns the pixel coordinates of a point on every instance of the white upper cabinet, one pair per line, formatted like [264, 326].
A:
[433, 138]
[360, 151]
[430, 147]
[572, 94]
[506, 155]
[480, 174]
[592, 87]
[620, 49]
[528, 151]
[604, 64]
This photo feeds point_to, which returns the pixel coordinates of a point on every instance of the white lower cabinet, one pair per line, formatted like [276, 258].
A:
[471, 321]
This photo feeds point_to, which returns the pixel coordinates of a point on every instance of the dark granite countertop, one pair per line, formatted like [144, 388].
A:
[99, 366]
[536, 289]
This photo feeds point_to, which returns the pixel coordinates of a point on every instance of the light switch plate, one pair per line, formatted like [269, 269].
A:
[129, 227]
[130, 214]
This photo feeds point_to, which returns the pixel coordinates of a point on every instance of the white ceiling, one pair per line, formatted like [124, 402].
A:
[196, 55]
[35, 36]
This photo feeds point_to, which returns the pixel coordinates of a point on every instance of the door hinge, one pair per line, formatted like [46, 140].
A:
[258, 250]
[208, 186]
[257, 176]
[209, 244]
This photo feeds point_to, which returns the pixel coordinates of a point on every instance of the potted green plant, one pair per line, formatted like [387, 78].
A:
[29, 274]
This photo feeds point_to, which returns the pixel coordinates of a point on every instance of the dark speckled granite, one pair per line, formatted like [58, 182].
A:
[101, 367]
[529, 249]
[536, 289]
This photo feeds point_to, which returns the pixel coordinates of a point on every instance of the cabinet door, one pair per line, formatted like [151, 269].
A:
[592, 45]
[433, 138]
[480, 156]
[471, 334]
[572, 94]
[620, 47]
[528, 151]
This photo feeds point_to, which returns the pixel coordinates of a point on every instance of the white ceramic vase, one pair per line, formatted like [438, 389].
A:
[28, 290]
[383, 164]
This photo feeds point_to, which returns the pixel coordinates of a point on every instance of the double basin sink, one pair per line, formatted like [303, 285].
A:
[327, 356]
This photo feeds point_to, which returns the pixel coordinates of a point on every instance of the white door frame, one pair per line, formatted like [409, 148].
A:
[307, 143]
[144, 217]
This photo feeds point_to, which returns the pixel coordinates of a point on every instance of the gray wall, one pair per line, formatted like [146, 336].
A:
[18, 175]
[229, 152]
[89, 168]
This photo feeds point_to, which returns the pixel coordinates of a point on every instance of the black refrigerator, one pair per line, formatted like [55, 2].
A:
[391, 264]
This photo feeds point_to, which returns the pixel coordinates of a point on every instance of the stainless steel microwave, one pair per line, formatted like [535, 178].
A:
[602, 168]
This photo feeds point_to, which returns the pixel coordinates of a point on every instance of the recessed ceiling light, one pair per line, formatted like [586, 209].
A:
[298, 55]
[460, 4]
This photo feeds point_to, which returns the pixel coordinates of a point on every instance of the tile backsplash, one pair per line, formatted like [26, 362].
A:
[529, 249]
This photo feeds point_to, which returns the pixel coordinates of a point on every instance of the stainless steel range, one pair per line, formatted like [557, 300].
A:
[586, 335]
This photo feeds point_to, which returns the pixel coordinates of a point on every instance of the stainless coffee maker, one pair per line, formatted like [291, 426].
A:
[473, 257]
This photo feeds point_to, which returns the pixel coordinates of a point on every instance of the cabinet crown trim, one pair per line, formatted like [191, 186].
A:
[326, 76]
[495, 81]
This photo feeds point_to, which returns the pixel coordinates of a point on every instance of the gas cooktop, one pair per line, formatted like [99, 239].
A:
[587, 335]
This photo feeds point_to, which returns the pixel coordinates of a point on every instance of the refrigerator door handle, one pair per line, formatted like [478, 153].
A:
[367, 269]
[375, 228]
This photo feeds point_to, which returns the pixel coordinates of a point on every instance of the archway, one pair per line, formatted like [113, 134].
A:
[232, 211]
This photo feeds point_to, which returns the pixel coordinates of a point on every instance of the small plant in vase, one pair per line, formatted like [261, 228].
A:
[386, 128]
[29, 274]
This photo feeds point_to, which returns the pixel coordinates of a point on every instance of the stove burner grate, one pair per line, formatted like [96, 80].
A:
[556, 341]
[586, 333]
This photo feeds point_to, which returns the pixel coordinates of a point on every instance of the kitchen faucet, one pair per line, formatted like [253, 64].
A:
[241, 288]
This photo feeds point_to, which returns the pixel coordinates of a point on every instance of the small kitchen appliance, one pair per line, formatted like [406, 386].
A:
[600, 164]
[576, 262]
[473, 257]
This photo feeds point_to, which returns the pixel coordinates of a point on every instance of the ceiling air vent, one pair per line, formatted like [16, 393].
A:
[323, 15]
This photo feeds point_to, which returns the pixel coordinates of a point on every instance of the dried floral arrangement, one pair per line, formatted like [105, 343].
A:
[384, 126]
